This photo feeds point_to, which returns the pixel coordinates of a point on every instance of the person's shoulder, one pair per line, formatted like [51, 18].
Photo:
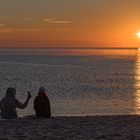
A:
[36, 98]
[47, 98]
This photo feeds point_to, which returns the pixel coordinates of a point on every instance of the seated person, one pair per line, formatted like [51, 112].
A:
[42, 104]
[9, 103]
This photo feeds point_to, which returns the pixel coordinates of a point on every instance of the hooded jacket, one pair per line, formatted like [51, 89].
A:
[8, 106]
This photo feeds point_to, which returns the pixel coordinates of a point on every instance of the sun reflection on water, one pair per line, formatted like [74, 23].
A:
[137, 85]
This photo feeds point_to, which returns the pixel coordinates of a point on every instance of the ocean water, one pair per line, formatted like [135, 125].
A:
[79, 82]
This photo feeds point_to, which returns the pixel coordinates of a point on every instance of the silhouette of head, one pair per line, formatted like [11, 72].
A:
[42, 89]
[11, 92]
[42, 92]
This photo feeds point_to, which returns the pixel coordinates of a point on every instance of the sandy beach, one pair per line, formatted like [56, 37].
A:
[71, 128]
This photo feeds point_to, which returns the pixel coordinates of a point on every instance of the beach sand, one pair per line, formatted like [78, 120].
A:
[71, 128]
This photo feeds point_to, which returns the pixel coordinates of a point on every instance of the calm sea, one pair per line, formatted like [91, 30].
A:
[79, 81]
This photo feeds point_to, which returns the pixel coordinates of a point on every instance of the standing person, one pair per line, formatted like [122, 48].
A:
[42, 104]
[9, 104]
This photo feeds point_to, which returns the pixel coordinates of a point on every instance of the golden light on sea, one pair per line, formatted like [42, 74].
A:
[137, 84]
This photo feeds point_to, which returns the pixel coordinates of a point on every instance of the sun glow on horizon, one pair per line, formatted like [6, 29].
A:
[138, 34]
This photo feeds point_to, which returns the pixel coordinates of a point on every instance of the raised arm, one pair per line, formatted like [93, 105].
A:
[24, 105]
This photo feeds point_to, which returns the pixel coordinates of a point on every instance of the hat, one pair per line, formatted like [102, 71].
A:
[42, 89]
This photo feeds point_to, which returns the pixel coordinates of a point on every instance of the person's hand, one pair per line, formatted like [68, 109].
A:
[29, 95]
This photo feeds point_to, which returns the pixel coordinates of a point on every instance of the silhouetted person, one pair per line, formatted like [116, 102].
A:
[42, 104]
[9, 104]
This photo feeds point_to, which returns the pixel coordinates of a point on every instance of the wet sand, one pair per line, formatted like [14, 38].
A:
[71, 128]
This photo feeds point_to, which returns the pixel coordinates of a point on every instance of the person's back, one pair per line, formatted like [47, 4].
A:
[9, 104]
[8, 107]
[42, 104]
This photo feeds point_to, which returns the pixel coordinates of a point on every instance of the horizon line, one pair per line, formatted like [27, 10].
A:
[109, 48]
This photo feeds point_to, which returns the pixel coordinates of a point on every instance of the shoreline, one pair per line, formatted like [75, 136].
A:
[122, 127]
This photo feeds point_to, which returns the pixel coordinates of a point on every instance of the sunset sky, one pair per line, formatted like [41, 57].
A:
[69, 23]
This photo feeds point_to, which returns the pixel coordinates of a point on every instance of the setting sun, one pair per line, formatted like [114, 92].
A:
[138, 34]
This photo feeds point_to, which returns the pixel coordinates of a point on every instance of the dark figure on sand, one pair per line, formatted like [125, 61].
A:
[42, 104]
[9, 104]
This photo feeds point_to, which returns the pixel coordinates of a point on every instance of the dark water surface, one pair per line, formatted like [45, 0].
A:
[79, 82]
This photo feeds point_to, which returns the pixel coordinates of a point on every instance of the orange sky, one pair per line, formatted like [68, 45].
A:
[75, 23]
